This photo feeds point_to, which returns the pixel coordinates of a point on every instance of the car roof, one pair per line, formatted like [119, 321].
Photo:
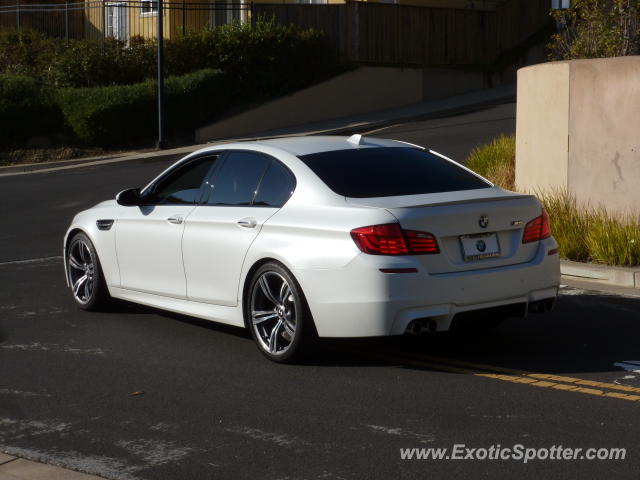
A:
[307, 145]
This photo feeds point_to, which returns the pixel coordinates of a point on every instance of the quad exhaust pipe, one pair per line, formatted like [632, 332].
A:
[425, 326]
[421, 327]
[541, 306]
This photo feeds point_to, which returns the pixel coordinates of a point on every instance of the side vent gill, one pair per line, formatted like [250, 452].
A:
[104, 224]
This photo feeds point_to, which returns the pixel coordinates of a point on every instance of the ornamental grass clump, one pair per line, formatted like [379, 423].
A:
[496, 161]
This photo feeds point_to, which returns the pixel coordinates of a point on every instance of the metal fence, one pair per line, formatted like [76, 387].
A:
[364, 32]
[120, 19]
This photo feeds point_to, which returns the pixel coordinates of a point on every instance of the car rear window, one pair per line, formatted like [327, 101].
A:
[389, 172]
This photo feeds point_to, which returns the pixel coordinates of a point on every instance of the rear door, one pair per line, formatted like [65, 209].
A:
[244, 192]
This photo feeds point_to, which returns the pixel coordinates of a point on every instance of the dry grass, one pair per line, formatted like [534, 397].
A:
[496, 161]
[614, 240]
[39, 155]
[569, 223]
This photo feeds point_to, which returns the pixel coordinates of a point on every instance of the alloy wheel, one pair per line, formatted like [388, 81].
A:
[273, 313]
[81, 269]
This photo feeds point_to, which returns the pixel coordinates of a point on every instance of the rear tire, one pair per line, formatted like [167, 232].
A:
[84, 274]
[277, 315]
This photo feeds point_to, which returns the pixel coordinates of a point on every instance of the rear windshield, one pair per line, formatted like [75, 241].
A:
[389, 172]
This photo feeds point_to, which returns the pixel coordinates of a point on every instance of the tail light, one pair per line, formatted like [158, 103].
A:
[390, 239]
[537, 229]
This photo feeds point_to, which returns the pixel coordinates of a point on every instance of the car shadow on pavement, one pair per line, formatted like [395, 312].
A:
[587, 332]
[122, 307]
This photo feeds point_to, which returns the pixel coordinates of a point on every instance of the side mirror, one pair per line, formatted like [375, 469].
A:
[129, 197]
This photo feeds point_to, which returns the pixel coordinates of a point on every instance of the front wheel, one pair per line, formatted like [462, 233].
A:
[278, 316]
[84, 273]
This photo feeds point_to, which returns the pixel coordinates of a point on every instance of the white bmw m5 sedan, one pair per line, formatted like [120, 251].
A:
[306, 237]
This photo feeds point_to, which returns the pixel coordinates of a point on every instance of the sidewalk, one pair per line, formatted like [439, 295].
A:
[13, 468]
[342, 126]
[591, 276]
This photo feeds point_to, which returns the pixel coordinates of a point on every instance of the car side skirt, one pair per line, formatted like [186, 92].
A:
[205, 311]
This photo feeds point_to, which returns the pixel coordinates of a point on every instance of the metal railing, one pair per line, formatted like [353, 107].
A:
[363, 32]
[120, 19]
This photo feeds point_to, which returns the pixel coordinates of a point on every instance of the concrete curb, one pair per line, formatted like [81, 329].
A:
[603, 274]
[366, 123]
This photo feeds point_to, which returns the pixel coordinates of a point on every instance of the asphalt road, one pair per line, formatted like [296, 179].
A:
[456, 136]
[138, 393]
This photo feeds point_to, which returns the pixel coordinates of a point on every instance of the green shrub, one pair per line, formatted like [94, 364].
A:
[267, 59]
[27, 52]
[26, 110]
[496, 161]
[91, 63]
[259, 61]
[270, 59]
[126, 114]
[597, 28]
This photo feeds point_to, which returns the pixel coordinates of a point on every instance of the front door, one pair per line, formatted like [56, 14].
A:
[149, 237]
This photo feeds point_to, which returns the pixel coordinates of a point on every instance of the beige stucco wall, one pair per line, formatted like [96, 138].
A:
[604, 136]
[542, 126]
[578, 127]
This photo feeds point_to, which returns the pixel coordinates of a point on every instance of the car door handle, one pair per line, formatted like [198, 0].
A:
[247, 222]
[175, 219]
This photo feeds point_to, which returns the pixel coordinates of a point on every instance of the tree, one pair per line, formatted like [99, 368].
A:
[595, 29]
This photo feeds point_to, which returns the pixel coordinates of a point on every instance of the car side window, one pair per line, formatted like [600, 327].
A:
[182, 186]
[276, 186]
[236, 182]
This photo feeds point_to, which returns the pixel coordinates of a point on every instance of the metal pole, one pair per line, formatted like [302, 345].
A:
[18, 14]
[162, 143]
[104, 25]
[66, 20]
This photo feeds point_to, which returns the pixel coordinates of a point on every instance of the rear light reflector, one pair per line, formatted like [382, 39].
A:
[399, 270]
[390, 239]
[537, 229]
[553, 251]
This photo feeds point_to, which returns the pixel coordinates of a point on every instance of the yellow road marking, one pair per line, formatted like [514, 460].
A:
[541, 380]
[542, 376]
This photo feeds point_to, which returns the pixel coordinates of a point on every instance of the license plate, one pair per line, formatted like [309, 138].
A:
[477, 247]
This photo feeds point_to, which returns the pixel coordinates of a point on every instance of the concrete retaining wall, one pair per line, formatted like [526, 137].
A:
[578, 128]
[364, 90]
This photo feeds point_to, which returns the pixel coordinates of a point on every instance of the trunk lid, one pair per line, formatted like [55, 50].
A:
[452, 215]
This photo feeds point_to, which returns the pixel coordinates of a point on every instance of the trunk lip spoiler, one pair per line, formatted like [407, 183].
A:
[459, 202]
[494, 194]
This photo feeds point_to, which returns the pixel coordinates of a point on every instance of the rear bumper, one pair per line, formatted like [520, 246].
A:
[360, 301]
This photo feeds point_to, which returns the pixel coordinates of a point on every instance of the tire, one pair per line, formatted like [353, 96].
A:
[82, 263]
[277, 315]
